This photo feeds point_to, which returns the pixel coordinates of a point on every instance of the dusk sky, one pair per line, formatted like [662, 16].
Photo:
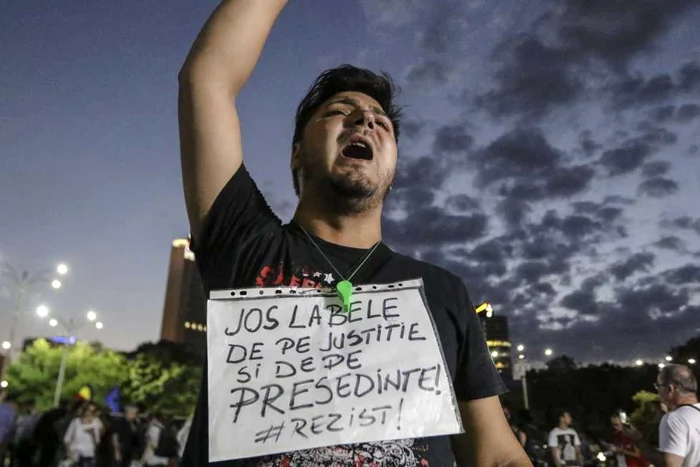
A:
[549, 154]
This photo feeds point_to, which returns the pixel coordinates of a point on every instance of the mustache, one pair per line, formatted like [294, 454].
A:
[345, 135]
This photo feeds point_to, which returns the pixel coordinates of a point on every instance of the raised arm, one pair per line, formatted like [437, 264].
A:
[217, 67]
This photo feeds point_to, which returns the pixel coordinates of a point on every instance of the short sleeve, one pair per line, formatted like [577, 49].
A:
[577, 440]
[238, 215]
[552, 441]
[673, 435]
[477, 376]
[70, 432]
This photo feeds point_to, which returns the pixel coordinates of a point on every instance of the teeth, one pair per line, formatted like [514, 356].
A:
[359, 143]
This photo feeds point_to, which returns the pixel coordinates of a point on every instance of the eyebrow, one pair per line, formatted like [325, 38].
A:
[356, 103]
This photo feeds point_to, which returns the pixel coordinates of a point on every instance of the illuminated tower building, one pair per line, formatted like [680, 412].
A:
[185, 308]
[496, 332]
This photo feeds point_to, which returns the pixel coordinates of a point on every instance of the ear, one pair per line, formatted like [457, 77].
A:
[295, 162]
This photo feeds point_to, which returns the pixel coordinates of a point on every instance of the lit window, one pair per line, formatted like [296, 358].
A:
[187, 324]
[205, 329]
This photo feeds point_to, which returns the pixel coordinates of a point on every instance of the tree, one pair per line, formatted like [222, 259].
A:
[646, 415]
[164, 377]
[33, 377]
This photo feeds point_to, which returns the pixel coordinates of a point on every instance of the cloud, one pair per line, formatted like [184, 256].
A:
[461, 202]
[615, 31]
[656, 168]
[626, 158]
[529, 169]
[452, 138]
[639, 262]
[411, 129]
[584, 300]
[671, 242]
[687, 112]
[638, 91]
[533, 78]
[427, 72]
[690, 273]
[682, 223]
[430, 224]
[658, 187]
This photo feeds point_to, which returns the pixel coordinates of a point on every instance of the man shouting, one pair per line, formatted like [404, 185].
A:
[343, 160]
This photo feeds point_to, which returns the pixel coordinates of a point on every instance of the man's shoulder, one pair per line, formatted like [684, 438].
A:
[429, 271]
[677, 418]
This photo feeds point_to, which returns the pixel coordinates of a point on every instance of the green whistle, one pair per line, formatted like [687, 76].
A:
[344, 289]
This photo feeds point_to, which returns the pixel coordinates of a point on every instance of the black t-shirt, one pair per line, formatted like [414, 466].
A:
[244, 244]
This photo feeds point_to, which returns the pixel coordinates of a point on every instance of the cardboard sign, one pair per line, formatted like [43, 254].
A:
[290, 370]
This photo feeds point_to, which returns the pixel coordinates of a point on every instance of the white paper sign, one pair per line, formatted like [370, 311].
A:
[290, 370]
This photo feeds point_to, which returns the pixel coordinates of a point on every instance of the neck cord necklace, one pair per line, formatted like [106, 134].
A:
[344, 287]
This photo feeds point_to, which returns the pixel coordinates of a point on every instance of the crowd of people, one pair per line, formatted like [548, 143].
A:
[671, 440]
[83, 434]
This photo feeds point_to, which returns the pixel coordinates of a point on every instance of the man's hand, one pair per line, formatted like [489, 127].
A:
[218, 65]
[488, 439]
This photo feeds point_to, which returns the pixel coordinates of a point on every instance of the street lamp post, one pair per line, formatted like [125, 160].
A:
[525, 367]
[24, 281]
[69, 328]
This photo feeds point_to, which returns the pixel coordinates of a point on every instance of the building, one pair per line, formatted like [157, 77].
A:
[185, 307]
[496, 332]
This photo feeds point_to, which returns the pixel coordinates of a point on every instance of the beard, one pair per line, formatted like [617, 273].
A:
[348, 193]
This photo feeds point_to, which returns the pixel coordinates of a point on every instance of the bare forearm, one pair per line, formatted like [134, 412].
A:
[229, 46]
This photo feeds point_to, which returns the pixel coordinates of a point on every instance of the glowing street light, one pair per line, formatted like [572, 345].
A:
[521, 347]
[494, 354]
[6, 345]
[53, 322]
[42, 311]
[4, 384]
[669, 358]
[25, 282]
[521, 357]
[661, 365]
[691, 361]
[639, 363]
[91, 315]
[99, 325]
[548, 352]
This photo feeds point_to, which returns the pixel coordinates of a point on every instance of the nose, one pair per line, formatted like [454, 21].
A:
[364, 118]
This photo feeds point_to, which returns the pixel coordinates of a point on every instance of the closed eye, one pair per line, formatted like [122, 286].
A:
[338, 112]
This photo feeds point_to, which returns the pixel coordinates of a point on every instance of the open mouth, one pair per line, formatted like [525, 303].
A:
[358, 150]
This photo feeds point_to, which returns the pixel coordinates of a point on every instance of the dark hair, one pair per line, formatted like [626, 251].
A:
[681, 377]
[560, 413]
[343, 79]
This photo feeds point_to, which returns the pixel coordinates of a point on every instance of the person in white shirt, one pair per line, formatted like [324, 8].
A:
[82, 437]
[153, 434]
[679, 430]
[183, 434]
[564, 442]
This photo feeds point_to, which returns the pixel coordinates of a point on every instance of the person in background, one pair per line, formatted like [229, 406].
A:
[626, 450]
[182, 435]
[152, 456]
[8, 415]
[25, 444]
[82, 437]
[122, 438]
[47, 439]
[564, 443]
[679, 430]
